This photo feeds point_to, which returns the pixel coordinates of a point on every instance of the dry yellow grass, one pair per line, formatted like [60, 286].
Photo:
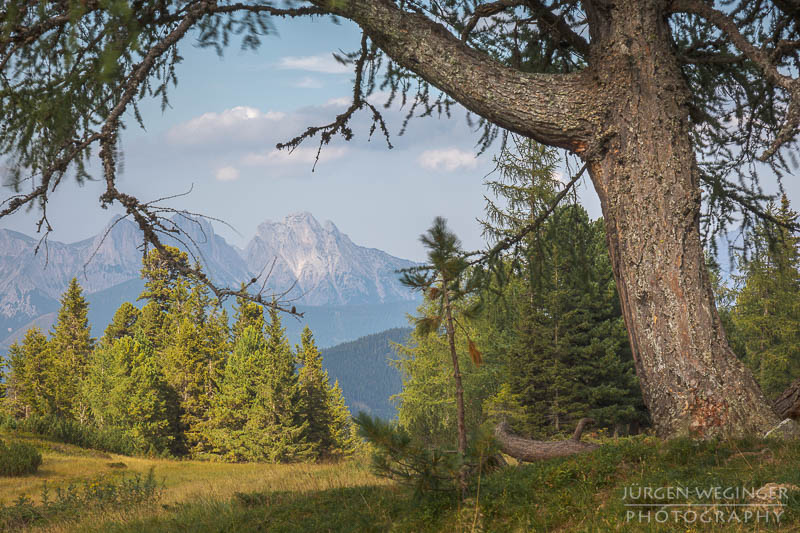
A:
[183, 480]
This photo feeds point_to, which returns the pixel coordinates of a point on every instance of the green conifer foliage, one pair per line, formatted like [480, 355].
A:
[71, 344]
[122, 324]
[188, 330]
[230, 407]
[152, 324]
[570, 357]
[187, 368]
[160, 280]
[126, 390]
[256, 414]
[247, 314]
[426, 406]
[275, 424]
[30, 376]
[322, 406]
[446, 285]
[343, 432]
[767, 312]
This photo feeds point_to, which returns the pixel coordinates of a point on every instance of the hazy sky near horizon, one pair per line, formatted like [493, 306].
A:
[218, 139]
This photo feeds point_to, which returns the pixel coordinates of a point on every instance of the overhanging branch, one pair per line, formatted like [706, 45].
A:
[554, 109]
[758, 56]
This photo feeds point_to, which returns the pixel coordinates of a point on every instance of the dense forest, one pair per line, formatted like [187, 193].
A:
[174, 379]
[546, 322]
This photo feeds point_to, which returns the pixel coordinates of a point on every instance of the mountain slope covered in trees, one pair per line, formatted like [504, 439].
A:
[365, 372]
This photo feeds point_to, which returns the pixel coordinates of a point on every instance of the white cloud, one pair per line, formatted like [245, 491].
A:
[324, 63]
[210, 125]
[227, 174]
[448, 159]
[299, 155]
[338, 102]
[308, 83]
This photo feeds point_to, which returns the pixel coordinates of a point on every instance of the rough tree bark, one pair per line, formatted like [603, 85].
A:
[648, 184]
[530, 450]
[627, 116]
[788, 403]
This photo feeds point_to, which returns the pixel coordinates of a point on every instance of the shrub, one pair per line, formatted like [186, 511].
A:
[68, 431]
[18, 459]
[73, 501]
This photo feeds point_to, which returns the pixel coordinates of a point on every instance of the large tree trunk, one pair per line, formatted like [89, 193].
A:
[626, 114]
[648, 184]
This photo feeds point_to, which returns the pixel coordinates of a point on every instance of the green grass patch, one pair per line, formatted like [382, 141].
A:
[585, 493]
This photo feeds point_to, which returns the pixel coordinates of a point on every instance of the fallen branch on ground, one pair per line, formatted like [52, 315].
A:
[529, 450]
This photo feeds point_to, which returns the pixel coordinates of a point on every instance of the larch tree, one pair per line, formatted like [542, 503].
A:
[665, 101]
[322, 406]
[445, 283]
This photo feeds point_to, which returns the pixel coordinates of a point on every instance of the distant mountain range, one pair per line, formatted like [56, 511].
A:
[346, 290]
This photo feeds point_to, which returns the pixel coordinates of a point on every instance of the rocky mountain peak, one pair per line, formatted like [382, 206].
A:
[319, 262]
[326, 266]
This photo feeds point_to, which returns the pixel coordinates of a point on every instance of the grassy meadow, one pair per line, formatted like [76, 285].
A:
[581, 493]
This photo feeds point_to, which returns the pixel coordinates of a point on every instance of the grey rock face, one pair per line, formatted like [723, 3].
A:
[316, 263]
[326, 267]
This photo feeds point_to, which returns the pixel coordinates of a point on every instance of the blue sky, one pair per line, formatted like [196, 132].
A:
[219, 136]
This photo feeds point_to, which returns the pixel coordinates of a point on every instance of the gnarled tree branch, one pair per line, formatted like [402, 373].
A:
[555, 109]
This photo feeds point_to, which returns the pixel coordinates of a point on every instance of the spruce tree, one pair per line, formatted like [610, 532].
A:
[186, 370]
[571, 357]
[275, 427]
[122, 324]
[188, 331]
[230, 407]
[153, 324]
[322, 406]
[767, 311]
[343, 434]
[71, 344]
[127, 391]
[30, 377]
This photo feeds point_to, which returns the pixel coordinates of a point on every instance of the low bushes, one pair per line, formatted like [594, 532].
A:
[75, 500]
[18, 459]
[72, 432]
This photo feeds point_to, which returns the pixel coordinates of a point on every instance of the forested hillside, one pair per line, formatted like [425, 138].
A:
[365, 371]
